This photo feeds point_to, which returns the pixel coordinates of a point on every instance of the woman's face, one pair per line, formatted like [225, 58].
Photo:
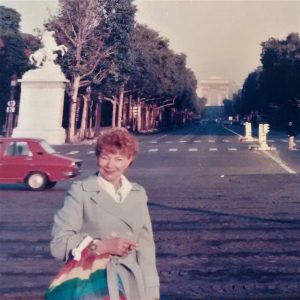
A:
[112, 166]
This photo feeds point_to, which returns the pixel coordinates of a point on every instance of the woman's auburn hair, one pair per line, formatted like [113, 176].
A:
[117, 140]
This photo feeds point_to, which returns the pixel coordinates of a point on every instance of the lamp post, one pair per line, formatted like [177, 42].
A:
[98, 114]
[11, 106]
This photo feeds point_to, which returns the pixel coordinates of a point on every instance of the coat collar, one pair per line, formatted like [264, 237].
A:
[124, 210]
[91, 184]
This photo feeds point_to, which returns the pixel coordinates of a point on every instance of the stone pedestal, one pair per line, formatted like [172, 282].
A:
[41, 105]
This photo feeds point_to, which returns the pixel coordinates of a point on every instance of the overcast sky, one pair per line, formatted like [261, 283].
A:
[220, 38]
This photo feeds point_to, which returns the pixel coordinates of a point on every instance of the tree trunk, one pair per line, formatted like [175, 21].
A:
[114, 110]
[83, 118]
[120, 108]
[71, 127]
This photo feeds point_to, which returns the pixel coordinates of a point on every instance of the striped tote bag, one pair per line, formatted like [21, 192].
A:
[83, 279]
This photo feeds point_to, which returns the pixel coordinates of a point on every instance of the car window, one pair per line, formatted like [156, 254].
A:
[18, 149]
[47, 147]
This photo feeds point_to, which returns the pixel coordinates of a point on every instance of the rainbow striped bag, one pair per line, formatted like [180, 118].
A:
[83, 277]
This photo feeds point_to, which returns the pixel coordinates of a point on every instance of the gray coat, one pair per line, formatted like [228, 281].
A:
[89, 210]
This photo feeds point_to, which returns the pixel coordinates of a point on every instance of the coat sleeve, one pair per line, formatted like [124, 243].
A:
[66, 233]
[147, 258]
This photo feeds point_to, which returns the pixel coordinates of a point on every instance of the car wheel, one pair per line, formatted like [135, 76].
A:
[36, 181]
[51, 184]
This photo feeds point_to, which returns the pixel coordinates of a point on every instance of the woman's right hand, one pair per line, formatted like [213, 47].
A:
[115, 246]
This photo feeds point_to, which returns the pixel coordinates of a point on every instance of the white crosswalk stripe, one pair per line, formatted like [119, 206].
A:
[173, 149]
[182, 141]
[211, 141]
[225, 141]
[197, 141]
[168, 142]
[193, 149]
[91, 152]
[232, 149]
[213, 149]
[153, 150]
[72, 152]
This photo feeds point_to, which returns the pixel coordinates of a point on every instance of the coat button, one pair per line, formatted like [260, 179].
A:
[114, 234]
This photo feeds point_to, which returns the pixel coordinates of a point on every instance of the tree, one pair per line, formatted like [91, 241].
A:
[78, 26]
[14, 52]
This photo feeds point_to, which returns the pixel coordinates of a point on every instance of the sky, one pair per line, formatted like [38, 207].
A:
[220, 38]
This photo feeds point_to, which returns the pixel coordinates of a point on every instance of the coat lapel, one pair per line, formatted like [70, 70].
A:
[128, 211]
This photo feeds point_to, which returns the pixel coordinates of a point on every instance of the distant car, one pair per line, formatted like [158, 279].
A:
[34, 162]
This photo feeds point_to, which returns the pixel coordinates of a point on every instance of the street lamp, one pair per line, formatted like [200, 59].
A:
[98, 113]
[11, 106]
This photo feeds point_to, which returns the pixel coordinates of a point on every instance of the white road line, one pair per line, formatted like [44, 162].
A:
[72, 152]
[232, 149]
[213, 149]
[173, 149]
[182, 141]
[280, 163]
[153, 150]
[168, 142]
[211, 141]
[271, 141]
[193, 149]
[159, 138]
[197, 141]
[232, 131]
[153, 142]
[285, 141]
[225, 141]
[91, 152]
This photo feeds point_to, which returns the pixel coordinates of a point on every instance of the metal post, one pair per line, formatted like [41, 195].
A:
[11, 106]
[98, 114]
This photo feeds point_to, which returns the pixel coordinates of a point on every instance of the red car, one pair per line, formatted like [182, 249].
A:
[35, 163]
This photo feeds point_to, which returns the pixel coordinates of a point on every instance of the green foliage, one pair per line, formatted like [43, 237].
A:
[275, 86]
[13, 53]
[158, 72]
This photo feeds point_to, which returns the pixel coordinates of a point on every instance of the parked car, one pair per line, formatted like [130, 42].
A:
[34, 162]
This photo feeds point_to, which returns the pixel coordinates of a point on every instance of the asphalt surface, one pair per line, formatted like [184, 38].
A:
[226, 219]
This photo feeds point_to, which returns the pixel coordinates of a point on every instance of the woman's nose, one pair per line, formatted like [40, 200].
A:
[109, 163]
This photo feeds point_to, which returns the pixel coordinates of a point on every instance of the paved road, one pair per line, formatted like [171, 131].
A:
[226, 219]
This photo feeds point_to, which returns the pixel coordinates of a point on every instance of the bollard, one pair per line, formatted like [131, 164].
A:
[248, 133]
[263, 130]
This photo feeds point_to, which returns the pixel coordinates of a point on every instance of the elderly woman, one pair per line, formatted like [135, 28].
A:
[113, 211]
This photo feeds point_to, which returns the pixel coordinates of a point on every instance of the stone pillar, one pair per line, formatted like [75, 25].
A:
[41, 105]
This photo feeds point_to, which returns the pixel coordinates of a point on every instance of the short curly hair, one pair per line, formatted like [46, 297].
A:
[117, 140]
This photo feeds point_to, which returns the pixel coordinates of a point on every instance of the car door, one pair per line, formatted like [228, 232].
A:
[17, 160]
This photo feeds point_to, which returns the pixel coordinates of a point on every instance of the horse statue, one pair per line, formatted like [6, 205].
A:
[46, 55]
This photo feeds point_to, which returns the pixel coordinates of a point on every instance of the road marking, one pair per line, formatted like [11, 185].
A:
[168, 142]
[72, 152]
[193, 149]
[225, 141]
[232, 131]
[213, 149]
[285, 141]
[91, 152]
[153, 150]
[232, 149]
[280, 163]
[173, 149]
[159, 138]
[197, 141]
[153, 142]
[182, 141]
[271, 141]
[211, 141]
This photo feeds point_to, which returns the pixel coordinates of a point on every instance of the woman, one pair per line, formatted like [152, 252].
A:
[114, 212]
